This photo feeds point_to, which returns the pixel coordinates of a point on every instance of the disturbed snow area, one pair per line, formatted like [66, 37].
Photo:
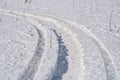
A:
[59, 39]
[17, 44]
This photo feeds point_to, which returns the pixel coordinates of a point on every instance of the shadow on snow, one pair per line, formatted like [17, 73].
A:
[62, 63]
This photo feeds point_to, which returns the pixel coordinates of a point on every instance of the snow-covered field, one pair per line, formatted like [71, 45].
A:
[59, 40]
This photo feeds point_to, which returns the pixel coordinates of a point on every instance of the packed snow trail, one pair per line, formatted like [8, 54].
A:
[109, 65]
[32, 67]
[48, 63]
[73, 37]
[111, 73]
[28, 76]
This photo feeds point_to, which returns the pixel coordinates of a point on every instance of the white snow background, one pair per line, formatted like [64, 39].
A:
[59, 40]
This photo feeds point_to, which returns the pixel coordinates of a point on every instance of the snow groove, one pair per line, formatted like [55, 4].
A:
[109, 66]
[111, 73]
[54, 22]
[37, 25]
[62, 63]
[32, 67]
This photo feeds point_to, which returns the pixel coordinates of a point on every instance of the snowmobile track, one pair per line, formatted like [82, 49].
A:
[111, 72]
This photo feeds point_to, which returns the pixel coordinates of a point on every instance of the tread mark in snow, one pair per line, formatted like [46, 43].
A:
[32, 67]
[111, 73]
[110, 70]
[62, 63]
[109, 65]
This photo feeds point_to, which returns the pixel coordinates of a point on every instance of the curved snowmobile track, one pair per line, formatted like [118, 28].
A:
[62, 67]
[34, 63]
[111, 73]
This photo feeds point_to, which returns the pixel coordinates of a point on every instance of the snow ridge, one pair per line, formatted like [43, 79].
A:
[32, 67]
[57, 25]
[111, 72]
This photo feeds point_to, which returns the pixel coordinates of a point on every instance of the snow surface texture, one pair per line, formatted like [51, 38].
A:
[59, 40]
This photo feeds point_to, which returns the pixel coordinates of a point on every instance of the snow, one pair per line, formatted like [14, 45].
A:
[60, 39]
